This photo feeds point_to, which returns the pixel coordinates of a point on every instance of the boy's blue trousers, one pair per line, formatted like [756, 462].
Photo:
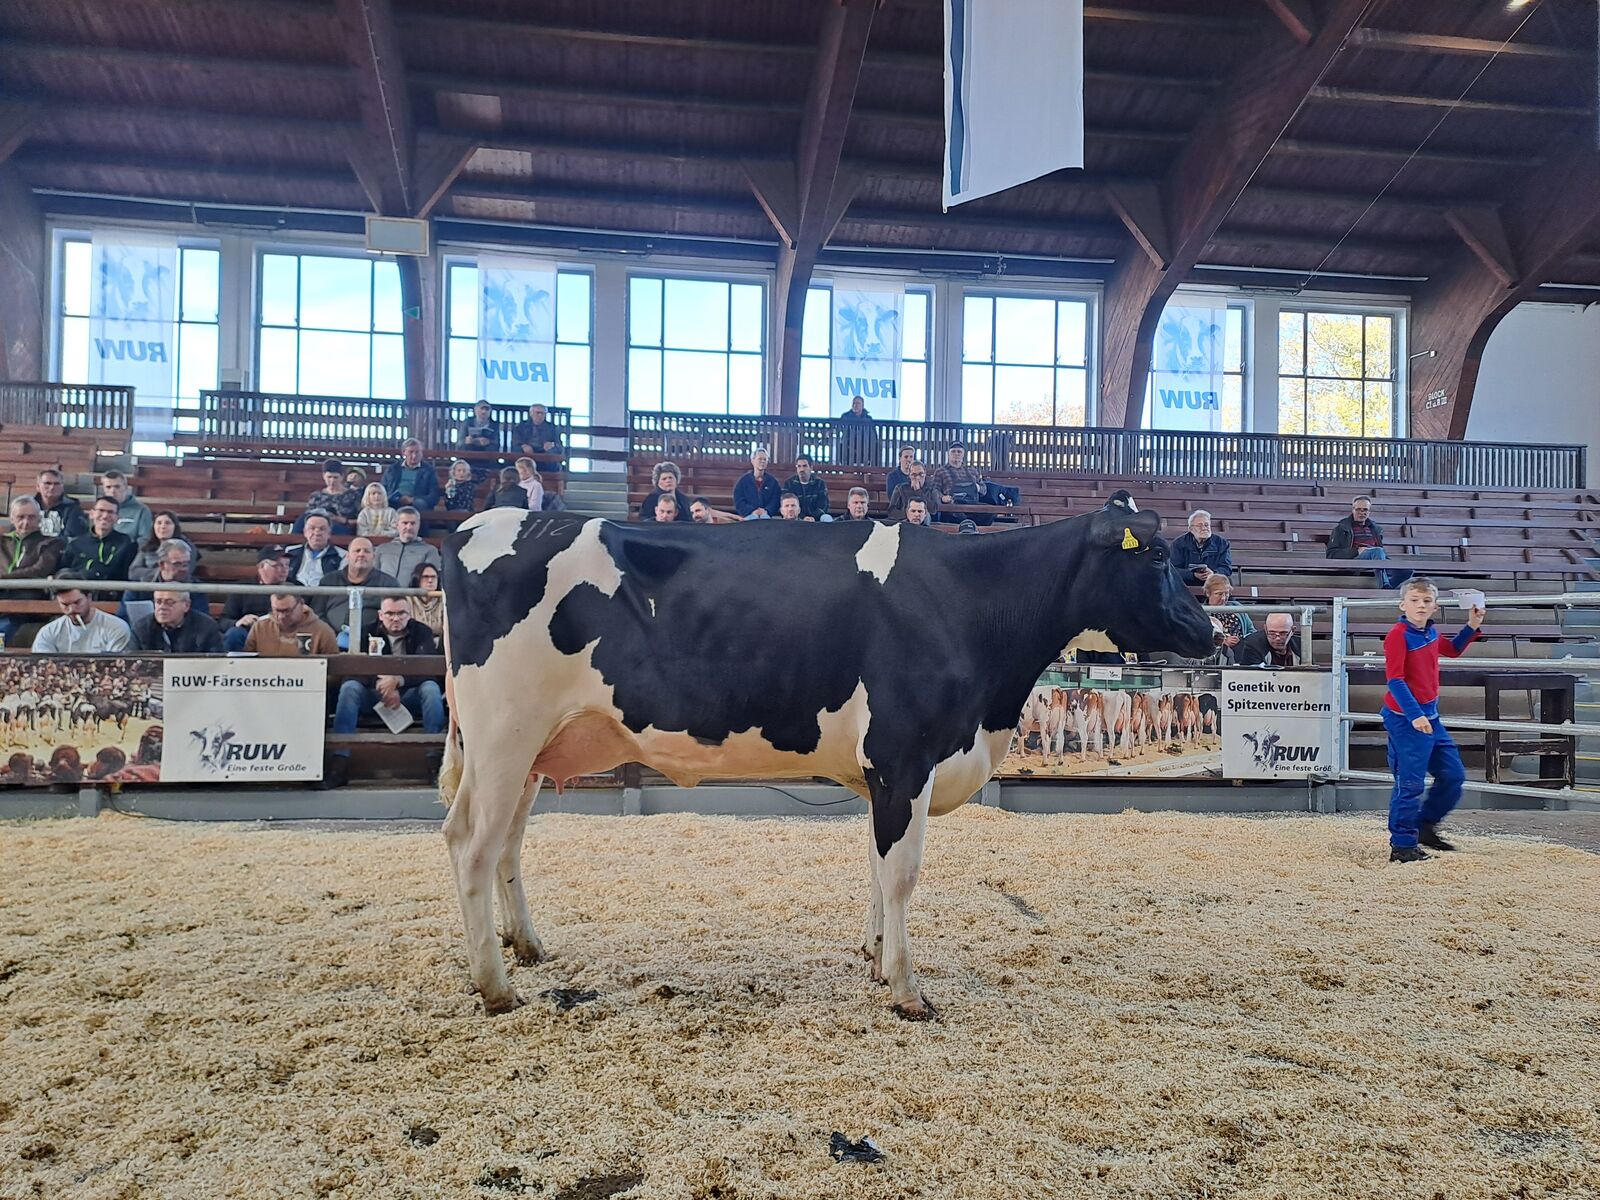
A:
[1413, 756]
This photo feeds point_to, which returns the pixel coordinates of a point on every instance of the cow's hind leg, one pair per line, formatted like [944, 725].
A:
[483, 804]
[899, 824]
[517, 925]
[872, 938]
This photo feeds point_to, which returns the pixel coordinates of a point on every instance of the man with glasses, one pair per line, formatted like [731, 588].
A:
[102, 553]
[916, 487]
[175, 628]
[174, 561]
[1359, 536]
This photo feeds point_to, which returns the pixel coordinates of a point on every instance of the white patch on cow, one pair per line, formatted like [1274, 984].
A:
[1132, 507]
[958, 778]
[1093, 639]
[494, 535]
[877, 556]
[652, 602]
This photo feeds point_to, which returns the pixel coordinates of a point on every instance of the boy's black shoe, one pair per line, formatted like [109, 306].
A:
[1428, 835]
[1407, 854]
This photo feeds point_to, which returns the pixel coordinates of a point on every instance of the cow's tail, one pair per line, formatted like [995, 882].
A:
[450, 766]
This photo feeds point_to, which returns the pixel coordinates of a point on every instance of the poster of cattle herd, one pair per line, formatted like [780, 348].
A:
[1133, 721]
[77, 720]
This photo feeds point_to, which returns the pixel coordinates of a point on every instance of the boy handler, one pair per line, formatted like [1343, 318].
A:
[1419, 745]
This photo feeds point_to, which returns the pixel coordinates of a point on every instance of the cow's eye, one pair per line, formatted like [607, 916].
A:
[1160, 553]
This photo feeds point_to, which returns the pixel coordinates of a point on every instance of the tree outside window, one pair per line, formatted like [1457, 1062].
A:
[1337, 373]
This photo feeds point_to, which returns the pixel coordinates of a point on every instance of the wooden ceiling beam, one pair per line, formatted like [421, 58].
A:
[1438, 43]
[1552, 217]
[1345, 95]
[1442, 158]
[383, 163]
[1296, 16]
[17, 119]
[1485, 235]
[823, 190]
[1142, 210]
[12, 49]
[1208, 176]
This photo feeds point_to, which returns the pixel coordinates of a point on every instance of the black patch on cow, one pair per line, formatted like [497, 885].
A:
[891, 811]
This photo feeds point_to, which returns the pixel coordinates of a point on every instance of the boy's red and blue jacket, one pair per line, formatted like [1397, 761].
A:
[1411, 661]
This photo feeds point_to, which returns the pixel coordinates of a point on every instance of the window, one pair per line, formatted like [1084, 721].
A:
[695, 345]
[197, 330]
[330, 326]
[816, 350]
[1024, 360]
[1233, 378]
[573, 376]
[1336, 373]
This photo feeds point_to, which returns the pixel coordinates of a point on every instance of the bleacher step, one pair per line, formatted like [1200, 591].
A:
[597, 495]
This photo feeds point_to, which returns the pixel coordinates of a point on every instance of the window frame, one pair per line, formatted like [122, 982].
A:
[1304, 306]
[1041, 290]
[729, 278]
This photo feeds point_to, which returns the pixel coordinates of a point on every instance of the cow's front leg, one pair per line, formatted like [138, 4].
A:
[899, 825]
[517, 929]
[872, 937]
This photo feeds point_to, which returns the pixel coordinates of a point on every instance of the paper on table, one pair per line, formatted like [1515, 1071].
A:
[397, 719]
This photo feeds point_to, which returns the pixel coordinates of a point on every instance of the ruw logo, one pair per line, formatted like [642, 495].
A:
[866, 388]
[521, 370]
[1200, 401]
[122, 349]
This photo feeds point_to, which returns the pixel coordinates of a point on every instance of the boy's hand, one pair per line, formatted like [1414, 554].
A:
[1422, 725]
[1475, 618]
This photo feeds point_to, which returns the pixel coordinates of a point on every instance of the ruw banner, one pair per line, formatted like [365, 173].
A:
[516, 330]
[1013, 93]
[868, 318]
[133, 331]
[1186, 369]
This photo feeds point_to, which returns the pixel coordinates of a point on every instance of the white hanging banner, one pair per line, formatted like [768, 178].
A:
[516, 330]
[868, 317]
[1013, 93]
[1186, 368]
[133, 332]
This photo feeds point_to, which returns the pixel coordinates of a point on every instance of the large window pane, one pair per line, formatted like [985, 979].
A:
[1379, 415]
[197, 360]
[1341, 350]
[1039, 347]
[1291, 343]
[694, 381]
[278, 369]
[1024, 330]
[573, 380]
[334, 364]
[199, 290]
[463, 301]
[336, 293]
[280, 289]
[746, 317]
[386, 306]
[816, 331]
[1380, 343]
[977, 394]
[1231, 417]
[644, 380]
[75, 268]
[461, 376]
[814, 386]
[695, 315]
[388, 367]
[1072, 397]
[744, 384]
[977, 329]
[644, 312]
[572, 308]
[1334, 407]
[1333, 345]
[1291, 405]
[1024, 395]
[1072, 334]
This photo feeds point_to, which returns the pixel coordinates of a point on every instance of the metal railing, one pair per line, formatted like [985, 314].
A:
[1566, 664]
[301, 424]
[68, 406]
[1114, 452]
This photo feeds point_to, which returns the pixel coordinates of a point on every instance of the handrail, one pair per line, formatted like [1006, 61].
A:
[1115, 452]
[68, 405]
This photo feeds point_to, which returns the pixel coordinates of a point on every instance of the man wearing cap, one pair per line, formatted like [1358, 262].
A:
[244, 609]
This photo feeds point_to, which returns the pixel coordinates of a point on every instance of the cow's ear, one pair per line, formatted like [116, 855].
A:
[1118, 529]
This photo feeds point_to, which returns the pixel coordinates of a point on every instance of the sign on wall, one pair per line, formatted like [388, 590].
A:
[104, 719]
[868, 322]
[1279, 724]
[133, 313]
[1187, 366]
[516, 330]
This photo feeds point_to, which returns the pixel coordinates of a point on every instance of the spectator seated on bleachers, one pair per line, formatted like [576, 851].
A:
[60, 516]
[858, 435]
[757, 494]
[377, 516]
[461, 493]
[1359, 536]
[174, 564]
[400, 558]
[133, 518]
[1277, 645]
[916, 487]
[902, 470]
[1236, 626]
[317, 555]
[789, 508]
[509, 494]
[164, 528]
[173, 627]
[533, 487]
[427, 609]
[102, 553]
[664, 480]
[81, 628]
[412, 480]
[336, 500]
[536, 435]
[244, 609]
[480, 431]
[810, 489]
[26, 553]
[957, 483]
[359, 570]
[916, 512]
[1199, 553]
[667, 509]
[855, 505]
[290, 630]
[701, 512]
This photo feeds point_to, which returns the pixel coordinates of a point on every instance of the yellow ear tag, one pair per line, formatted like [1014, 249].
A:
[1129, 542]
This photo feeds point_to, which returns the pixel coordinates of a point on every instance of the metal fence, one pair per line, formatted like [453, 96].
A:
[1114, 452]
[1567, 664]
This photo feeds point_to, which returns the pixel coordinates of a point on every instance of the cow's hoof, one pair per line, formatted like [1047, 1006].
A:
[510, 1002]
[915, 1010]
[530, 955]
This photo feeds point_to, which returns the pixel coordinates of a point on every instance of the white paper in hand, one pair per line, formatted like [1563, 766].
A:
[398, 719]
[1467, 598]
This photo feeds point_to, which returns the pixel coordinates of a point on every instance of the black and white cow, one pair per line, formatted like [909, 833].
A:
[891, 658]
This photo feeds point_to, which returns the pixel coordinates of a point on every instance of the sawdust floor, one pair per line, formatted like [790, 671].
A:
[1134, 1006]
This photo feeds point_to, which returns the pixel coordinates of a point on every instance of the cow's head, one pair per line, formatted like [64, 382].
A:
[1128, 588]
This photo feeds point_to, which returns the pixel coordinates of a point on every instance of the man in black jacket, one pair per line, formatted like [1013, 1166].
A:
[244, 609]
[810, 488]
[175, 628]
[359, 570]
[1359, 536]
[59, 514]
[102, 553]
